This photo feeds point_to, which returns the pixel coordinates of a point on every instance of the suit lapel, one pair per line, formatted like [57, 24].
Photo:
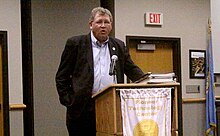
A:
[89, 52]
[112, 48]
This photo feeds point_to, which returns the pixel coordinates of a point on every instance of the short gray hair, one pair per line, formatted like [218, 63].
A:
[102, 11]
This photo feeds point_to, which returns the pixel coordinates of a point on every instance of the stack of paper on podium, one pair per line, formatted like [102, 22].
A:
[157, 78]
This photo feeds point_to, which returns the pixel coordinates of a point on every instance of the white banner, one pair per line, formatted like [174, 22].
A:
[146, 112]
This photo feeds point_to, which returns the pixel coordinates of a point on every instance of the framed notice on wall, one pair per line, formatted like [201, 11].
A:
[197, 59]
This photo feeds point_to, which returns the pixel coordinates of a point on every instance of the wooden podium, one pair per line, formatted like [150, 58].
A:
[108, 108]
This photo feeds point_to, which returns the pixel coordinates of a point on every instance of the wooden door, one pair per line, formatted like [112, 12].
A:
[159, 60]
[165, 58]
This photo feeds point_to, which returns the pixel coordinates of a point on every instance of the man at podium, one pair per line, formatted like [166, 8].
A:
[88, 64]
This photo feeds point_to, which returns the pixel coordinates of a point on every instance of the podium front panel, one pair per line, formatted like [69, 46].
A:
[108, 113]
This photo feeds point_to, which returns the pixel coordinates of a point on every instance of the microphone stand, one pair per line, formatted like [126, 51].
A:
[115, 75]
[112, 70]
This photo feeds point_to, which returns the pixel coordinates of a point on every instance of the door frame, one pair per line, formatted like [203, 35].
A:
[27, 67]
[5, 94]
[176, 66]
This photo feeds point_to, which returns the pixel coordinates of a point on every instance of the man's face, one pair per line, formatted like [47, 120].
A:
[101, 27]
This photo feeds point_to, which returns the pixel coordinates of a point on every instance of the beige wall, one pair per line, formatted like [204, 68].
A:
[182, 19]
[215, 20]
[10, 21]
[185, 19]
[53, 21]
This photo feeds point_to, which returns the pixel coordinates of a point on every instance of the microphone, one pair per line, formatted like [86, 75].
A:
[114, 58]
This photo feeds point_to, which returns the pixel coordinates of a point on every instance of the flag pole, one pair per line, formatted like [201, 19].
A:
[209, 29]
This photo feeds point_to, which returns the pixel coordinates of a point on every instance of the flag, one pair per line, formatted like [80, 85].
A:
[210, 96]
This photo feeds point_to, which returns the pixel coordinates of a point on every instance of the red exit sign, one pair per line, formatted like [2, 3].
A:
[153, 18]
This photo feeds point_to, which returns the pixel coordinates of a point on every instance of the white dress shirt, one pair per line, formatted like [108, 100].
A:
[101, 59]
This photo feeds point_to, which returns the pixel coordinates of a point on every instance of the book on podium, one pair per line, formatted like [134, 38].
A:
[151, 78]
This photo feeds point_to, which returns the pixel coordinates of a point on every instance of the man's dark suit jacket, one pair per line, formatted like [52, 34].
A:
[74, 78]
